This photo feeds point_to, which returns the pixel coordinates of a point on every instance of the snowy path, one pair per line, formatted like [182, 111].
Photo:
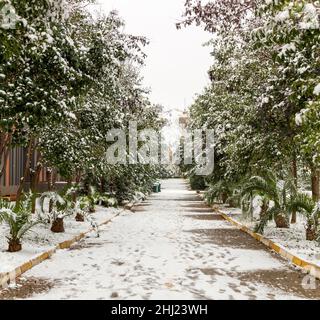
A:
[171, 247]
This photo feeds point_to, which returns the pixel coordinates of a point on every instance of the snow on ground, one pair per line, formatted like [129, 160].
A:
[293, 239]
[171, 247]
[41, 239]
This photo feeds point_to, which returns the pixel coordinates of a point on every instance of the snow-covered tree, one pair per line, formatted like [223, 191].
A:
[264, 99]
[43, 71]
[291, 31]
[67, 77]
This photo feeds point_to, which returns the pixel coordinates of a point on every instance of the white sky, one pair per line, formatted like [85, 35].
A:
[177, 63]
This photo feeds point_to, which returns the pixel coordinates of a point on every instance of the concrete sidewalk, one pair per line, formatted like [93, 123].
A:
[171, 247]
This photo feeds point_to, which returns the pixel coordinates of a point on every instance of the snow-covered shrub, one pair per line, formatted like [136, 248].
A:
[20, 221]
[112, 202]
[311, 209]
[139, 196]
[81, 208]
[108, 200]
[197, 182]
[56, 209]
[221, 191]
[270, 188]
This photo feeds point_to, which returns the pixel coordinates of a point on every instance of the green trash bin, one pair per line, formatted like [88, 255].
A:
[159, 187]
[155, 188]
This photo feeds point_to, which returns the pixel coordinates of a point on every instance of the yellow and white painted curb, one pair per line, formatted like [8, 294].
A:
[7, 277]
[307, 266]
[310, 267]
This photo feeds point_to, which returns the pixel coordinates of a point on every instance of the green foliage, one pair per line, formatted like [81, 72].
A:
[303, 203]
[19, 218]
[220, 191]
[280, 192]
[263, 100]
[83, 204]
[67, 77]
[291, 33]
[54, 206]
[197, 182]
[108, 200]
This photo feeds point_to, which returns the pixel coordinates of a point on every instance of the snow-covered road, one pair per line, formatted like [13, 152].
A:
[171, 247]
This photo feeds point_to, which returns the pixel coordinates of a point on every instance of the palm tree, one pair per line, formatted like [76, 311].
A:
[59, 208]
[221, 190]
[20, 221]
[271, 189]
[304, 204]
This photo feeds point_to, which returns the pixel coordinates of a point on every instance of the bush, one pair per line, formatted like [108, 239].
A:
[20, 221]
[197, 182]
[58, 209]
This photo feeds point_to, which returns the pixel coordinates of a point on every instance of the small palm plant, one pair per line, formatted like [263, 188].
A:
[311, 209]
[246, 203]
[20, 221]
[221, 190]
[235, 199]
[59, 208]
[78, 204]
[271, 189]
[108, 201]
[81, 208]
[93, 197]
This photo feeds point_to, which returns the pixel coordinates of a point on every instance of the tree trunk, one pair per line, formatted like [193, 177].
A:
[281, 221]
[251, 205]
[14, 246]
[311, 233]
[102, 185]
[5, 159]
[3, 138]
[57, 226]
[77, 181]
[78, 176]
[263, 208]
[315, 184]
[79, 217]
[54, 179]
[35, 181]
[224, 197]
[49, 182]
[5, 147]
[26, 170]
[295, 179]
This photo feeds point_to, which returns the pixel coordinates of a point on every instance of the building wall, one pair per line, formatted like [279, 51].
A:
[9, 182]
[13, 172]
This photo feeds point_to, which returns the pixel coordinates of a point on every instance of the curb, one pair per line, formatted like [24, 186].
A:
[8, 277]
[311, 268]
